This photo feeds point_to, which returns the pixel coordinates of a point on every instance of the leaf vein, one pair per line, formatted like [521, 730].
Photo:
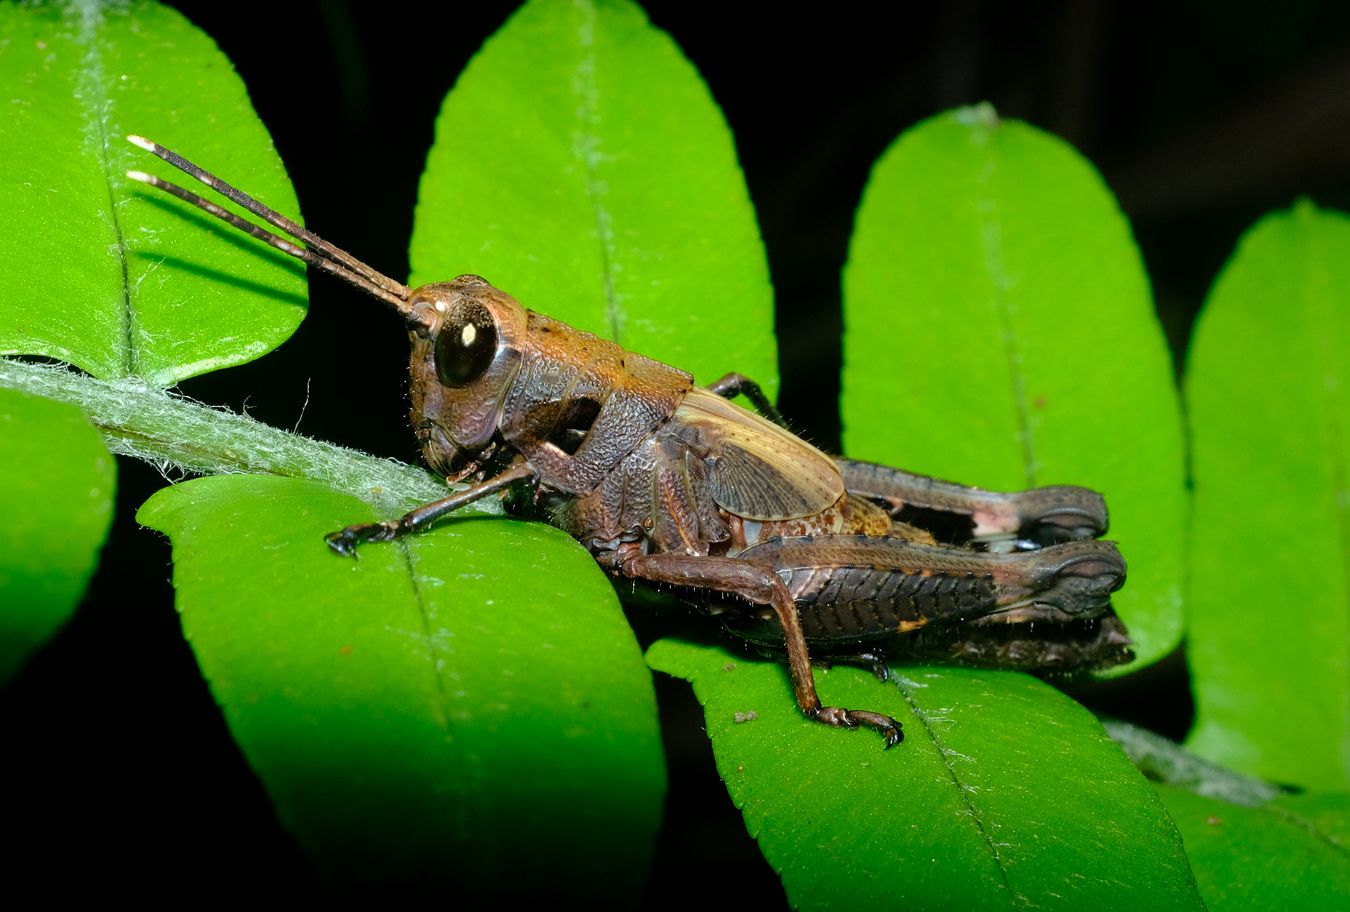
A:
[92, 92]
[428, 637]
[964, 789]
[991, 238]
[586, 148]
[1310, 827]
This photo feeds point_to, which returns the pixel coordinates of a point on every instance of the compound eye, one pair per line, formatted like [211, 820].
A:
[465, 345]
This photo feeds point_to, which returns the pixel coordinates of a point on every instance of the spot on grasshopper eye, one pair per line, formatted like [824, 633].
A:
[465, 346]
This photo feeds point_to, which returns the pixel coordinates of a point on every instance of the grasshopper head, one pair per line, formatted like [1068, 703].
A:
[466, 349]
[466, 335]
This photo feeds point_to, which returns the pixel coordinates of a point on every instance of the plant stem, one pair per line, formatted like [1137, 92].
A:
[172, 431]
[1167, 762]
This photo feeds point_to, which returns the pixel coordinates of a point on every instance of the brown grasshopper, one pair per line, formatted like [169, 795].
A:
[672, 484]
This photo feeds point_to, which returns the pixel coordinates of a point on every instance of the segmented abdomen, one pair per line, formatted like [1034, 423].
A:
[855, 589]
[857, 603]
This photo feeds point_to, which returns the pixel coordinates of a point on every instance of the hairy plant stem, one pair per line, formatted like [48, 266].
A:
[174, 432]
[1167, 762]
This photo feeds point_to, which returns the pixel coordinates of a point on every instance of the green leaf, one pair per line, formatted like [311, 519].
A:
[999, 332]
[1325, 813]
[96, 269]
[1272, 857]
[581, 165]
[1268, 395]
[1021, 801]
[56, 491]
[450, 711]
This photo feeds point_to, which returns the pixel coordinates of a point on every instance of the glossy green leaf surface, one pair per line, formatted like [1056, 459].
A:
[1018, 801]
[449, 711]
[999, 332]
[1268, 397]
[56, 491]
[581, 165]
[1292, 853]
[99, 270]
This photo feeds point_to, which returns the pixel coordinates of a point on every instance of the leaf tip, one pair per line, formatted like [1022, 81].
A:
[978, 115]
[1305, 209]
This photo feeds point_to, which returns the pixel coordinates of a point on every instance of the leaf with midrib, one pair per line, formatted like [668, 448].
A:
[450, 711]
[1268, 397]
[581, 165]
[1020, 800]
[999, 332]
[1290, 853]
[101, 271]
[56, 486]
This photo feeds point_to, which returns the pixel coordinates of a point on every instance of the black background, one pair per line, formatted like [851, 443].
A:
[1202, 115]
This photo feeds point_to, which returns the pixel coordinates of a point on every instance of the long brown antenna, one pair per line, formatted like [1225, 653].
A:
[316, 251]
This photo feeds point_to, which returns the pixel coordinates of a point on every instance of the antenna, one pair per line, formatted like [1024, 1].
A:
[316, 251]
